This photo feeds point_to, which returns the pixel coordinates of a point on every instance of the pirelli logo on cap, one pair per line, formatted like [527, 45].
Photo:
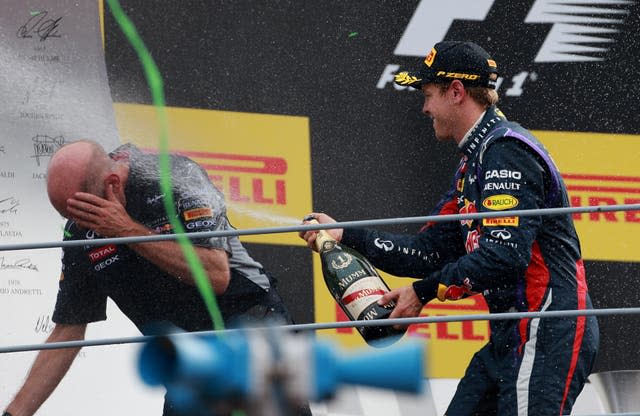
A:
[196, 213]
[501, 222]
[500, 202]
[430, 57]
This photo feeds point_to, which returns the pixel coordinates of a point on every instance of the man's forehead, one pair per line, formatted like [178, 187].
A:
[429, 88]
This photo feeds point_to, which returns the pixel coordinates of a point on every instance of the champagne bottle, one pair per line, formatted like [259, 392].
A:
[356, 286]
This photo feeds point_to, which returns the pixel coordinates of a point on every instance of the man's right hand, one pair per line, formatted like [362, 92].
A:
[407, 303]
[310, 235]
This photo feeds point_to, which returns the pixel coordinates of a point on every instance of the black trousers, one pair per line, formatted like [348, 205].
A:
[244, 304]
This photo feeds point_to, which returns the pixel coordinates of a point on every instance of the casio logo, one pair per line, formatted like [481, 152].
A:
[502, 174]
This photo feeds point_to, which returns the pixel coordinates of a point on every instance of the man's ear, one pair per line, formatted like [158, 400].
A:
[114, 188]
[114, 181]
[457, 90]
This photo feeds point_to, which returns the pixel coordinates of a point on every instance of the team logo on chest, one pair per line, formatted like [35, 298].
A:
[500, 202]
[104, 256]
[468, 207]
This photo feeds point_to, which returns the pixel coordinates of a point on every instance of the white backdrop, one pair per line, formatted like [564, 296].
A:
[53, 90]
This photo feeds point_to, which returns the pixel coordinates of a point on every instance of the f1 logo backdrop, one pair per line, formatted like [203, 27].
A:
[580, 31]
[419, 37]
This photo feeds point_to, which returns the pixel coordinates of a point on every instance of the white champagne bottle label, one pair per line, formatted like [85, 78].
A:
[362, 293]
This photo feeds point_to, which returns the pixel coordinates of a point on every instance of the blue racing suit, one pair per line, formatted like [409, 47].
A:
[533, 263]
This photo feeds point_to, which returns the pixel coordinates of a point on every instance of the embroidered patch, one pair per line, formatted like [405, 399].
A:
[500, 202]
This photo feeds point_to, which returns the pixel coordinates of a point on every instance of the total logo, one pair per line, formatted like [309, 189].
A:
[574, 29]
[101, 252]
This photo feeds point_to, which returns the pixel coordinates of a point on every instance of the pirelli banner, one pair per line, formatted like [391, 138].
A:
[600, 169]
[260, 162]
[291, 108]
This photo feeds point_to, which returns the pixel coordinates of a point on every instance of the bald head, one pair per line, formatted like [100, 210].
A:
[80, 166]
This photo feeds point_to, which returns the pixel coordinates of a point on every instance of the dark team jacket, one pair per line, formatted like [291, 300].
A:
[143, 292]
[516, 263]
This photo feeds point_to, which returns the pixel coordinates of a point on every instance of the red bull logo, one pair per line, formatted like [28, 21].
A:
[455, 292]
[468, 208]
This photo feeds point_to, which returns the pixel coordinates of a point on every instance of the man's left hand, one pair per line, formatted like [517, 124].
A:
[106, 217]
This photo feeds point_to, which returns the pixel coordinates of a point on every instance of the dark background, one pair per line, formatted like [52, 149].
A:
[373, 153]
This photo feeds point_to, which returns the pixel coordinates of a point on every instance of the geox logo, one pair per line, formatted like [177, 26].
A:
[580, 30]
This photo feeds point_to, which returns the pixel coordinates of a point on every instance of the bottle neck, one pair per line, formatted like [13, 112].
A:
[324, 241]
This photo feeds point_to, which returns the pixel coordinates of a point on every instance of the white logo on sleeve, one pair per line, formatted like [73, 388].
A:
[386, 245]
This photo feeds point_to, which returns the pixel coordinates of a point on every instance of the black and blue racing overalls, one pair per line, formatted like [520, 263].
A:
[517, 263]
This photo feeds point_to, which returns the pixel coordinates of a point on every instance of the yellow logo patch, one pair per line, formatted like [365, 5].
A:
[403, 78]
[192, 214]
[429, 59]
[501, 222]
[500, 202]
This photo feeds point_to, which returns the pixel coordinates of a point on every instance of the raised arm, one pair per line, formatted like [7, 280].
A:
[109, 218]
